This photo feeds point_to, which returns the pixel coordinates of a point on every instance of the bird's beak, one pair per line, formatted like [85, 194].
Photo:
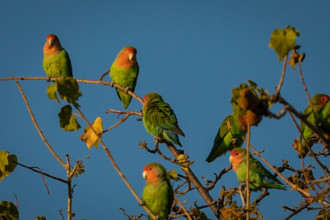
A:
[130, 57]
[230, 159]
[144, 174]
[50, 42]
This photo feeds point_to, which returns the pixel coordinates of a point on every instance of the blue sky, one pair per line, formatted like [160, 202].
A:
[191, 52]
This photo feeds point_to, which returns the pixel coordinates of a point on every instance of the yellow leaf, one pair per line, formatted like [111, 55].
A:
[184, 163]
[89, 137]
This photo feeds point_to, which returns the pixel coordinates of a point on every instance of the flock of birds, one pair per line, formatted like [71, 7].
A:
[160, 121]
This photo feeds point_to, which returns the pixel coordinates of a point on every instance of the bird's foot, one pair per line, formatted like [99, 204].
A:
[233, 140]
[48, 78]
[142, 203]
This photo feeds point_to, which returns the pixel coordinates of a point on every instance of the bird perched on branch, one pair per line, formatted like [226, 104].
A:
[159, 119]
[319, 101]
[157, 193]
[259, 176]
[124, 72]
[230, 135]
[56, 62]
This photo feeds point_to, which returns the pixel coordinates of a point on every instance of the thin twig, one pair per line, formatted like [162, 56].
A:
[61, 214]
[211, 184]
[182, 184]
[69, 209]
[261, 196]
[306, 91]
[34, 169]
[248, 173]
[278, 89]
[296, 211]
[182, 207]
[118, 123]
[241, 195]
[38, 129]
[104, 74]
[294, 187]
[320, 180]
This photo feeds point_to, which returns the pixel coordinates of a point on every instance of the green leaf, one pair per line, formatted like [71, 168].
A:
[8, 211]
[40, 218]
[7, 164]
[68, 90]
[253, 84]
[67, 121]
[282, 41]
[51, 92]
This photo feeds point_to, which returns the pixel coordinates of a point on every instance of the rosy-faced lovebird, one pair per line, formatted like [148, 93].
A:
[56, 62]
[158, 192]
[124, 71]
[259, 176]
[319, 101]
[230, 135]
[159, 119]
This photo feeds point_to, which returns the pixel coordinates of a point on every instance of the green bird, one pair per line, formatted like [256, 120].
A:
[124, 72]
[324, 119]
[157, 193]
[259, 176]
[159, 119]
[230, 135]
[56, 62]
[319, 101]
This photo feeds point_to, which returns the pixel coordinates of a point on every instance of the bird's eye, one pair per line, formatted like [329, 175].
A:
[236, 154]
[150, 168]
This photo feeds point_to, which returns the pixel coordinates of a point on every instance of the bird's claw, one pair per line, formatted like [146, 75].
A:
[126, 89]
[142, 203]
[48, 78]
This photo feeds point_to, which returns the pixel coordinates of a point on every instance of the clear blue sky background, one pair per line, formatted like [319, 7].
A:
[191, 52]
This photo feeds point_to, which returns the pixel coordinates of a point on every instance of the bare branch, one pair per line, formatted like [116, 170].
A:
[191, 176]
[34, 169]
[104, 74]
[294, 187]
[278, 89]
[78, 80]
[38, 129]
[182, 184]
[248, 173]
[69, 209]
[260, 197]
[211, 184]
[182, 207]
[295, 211]
[118, 123]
